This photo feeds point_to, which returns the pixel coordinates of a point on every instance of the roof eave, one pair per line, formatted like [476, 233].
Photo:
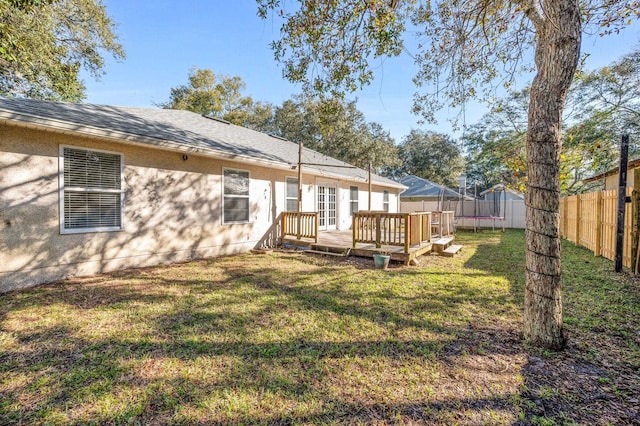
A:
[63, 127]
[630, 165]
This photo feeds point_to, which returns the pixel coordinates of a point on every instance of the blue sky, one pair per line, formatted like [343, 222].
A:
[164, 39]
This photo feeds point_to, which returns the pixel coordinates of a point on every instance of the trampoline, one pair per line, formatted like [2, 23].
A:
[489, 205]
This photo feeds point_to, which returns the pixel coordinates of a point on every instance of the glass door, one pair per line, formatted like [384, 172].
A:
[327, 208]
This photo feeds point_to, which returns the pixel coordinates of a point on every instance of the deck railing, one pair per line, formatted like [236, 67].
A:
[300, 225]
[421, 227]
[391, 229]
[442, 223]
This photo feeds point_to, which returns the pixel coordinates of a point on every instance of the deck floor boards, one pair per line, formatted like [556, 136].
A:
[344, 240]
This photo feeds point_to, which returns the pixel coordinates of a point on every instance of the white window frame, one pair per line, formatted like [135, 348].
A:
[385, 201]
[62, 189]
[248, 196]
[352, 200]
[286, 194]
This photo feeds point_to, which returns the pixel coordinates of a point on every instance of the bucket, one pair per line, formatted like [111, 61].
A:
[381, 261]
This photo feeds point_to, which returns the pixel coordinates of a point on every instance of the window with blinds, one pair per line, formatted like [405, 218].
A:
[353, 199]
[385, 201]
[235, 204]
[292, 195]
[91, 193]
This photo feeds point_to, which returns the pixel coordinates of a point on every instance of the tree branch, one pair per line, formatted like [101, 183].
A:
[533, 10]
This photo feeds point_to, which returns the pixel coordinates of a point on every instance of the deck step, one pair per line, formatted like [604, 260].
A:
[441, 244]
[451, 250]
[327, 253]
[330, 251]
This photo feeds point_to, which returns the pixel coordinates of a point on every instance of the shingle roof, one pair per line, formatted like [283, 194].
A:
[510, 193]
[420, 187]
[177, 130]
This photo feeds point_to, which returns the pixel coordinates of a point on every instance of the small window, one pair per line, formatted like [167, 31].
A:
[236, 196]
[91, 196]
[292, 195]
[353, 199]
[385, 201]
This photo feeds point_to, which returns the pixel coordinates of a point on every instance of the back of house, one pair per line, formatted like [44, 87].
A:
[86, 189]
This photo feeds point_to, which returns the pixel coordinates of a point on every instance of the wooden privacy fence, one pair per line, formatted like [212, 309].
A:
[391, 229]
[590, 219]
[300, 225]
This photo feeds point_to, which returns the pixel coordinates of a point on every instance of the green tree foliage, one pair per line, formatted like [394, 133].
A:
[495, 156]
[336, 128]
[495, 147]
[601, 106]
[432, 156]
[209, 94]
[220, 96]
[45, 44]
[331, 126]
[253, 115]
[328, 45]
[613, 89]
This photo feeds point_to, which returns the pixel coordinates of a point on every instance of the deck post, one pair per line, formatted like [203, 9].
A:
[299, 187]
[317, 225]
[378, 230]
[354, 231]
[283, 224]
[407, 232]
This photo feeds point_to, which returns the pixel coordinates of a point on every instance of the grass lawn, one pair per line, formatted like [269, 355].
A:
[295, 339]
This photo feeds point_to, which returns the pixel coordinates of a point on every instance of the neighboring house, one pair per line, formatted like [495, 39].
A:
[86, 188]
[500, 192]
[424, 195]
[420, 189]
[610, 178]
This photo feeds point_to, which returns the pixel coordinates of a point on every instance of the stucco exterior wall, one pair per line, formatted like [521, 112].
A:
[172, 210]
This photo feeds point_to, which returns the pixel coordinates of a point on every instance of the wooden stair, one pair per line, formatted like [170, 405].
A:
[441, 244]
[329, 250]
[451, 250]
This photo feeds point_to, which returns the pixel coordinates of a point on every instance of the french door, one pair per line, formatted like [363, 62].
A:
[327, 207]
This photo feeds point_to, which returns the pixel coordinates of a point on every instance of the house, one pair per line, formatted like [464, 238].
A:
[424, 195]
[500, 192]
[610, 177]
[420, 189]
[87, 188]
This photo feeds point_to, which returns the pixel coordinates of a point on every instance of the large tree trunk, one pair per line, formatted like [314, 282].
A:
[558, 34]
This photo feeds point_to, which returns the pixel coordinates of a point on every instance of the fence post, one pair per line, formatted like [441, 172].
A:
[598, 248]
[634, 230]
[563, 223]
[622, 193]
[578, 216]
[562, 213]
[378, 231]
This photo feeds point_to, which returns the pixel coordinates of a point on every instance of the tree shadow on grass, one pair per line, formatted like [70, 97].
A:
[589, 382]
[212, 351]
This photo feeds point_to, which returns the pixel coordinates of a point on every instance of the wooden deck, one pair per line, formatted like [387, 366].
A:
[342, 242]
